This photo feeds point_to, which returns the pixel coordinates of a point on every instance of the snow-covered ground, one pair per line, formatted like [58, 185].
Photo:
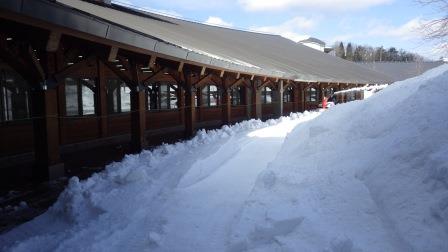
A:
[364, 176]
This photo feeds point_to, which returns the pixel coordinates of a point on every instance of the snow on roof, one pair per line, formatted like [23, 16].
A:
[313, 40]
[269, 53]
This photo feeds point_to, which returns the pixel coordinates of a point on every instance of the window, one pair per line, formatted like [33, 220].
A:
[266, 95]
[288, 94]
[162, 96]
[328, 92]
[14, 96]
[79, 97]
[237, 94]
[118, 96]
[210, 96]
[311, 95]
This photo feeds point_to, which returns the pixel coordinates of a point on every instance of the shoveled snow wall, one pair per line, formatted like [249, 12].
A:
[364, 176]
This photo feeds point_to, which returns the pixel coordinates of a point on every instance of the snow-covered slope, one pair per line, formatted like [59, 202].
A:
[365, 176]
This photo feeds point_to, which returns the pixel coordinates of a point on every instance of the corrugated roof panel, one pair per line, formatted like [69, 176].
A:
[268, 52]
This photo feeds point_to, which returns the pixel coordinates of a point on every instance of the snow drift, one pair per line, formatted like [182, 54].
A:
[364, 176]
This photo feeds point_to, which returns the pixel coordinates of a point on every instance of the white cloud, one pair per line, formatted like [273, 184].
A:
[265, 5]
[217, 21]
[409, 30]
[291, 29]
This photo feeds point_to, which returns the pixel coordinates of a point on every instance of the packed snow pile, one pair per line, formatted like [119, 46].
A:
[364, 176]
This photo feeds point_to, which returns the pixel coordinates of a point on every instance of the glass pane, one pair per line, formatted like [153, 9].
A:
[205, 96]
[173, 97]
[88, 100]
[8, 99]
[164, 96]
[115, 100]
[214, 98]
[268, 95]
[71, 97]
[125, 94]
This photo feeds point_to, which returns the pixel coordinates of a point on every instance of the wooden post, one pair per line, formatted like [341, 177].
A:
[46, 135]
[226, 106]
[247, 101]
[138, 112]
[181, 102]
[256, 103]
[101, 99]
[279, 99]
[302, 97]
[190, 111]
[296, 98]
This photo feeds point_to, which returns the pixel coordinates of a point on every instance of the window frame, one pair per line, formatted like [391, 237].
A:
[288, 95]
[208, 94]
[115, 98]
[237, 95]
[265, 93]
[80, 83]
[154, 94]
[310, 94]
[14, 98]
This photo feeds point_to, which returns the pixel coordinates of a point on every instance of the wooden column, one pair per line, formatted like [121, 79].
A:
[138, 112]
[302, 97]
[256, 103]
[279, 99]
[296, 98]
[46, 134]
[101, 95]
[181, 102]
[190, 111]
[226, 106]
[247, 101]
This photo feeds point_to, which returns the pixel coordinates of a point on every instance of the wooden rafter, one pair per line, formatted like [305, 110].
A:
[30, 74]
[203, 71]
[124, 76]
[208, 79]
[53, 41]
[75, 67]
[180, 67]
[152, 61]
[112, 54]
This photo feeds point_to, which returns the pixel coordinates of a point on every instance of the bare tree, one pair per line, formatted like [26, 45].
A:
[437, 29]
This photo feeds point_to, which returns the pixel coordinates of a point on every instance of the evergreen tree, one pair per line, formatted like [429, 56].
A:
[349, 52]
[341, 51]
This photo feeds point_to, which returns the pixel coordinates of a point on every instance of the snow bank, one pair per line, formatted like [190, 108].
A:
[123, 207]
[366, 176]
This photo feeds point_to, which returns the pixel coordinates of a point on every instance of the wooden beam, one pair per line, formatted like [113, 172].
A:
[276, 80]
[265, 78]
[181, 67]
[252, 77]
[238, 75]
[205, 80]
[221, 74]
[92, 38]
[53, 41]
[152, 61]
[36, 63]
[112, 54]
[237, 82]
[203, 70]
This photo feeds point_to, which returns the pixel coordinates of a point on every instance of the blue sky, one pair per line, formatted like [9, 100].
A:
[373, 22]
